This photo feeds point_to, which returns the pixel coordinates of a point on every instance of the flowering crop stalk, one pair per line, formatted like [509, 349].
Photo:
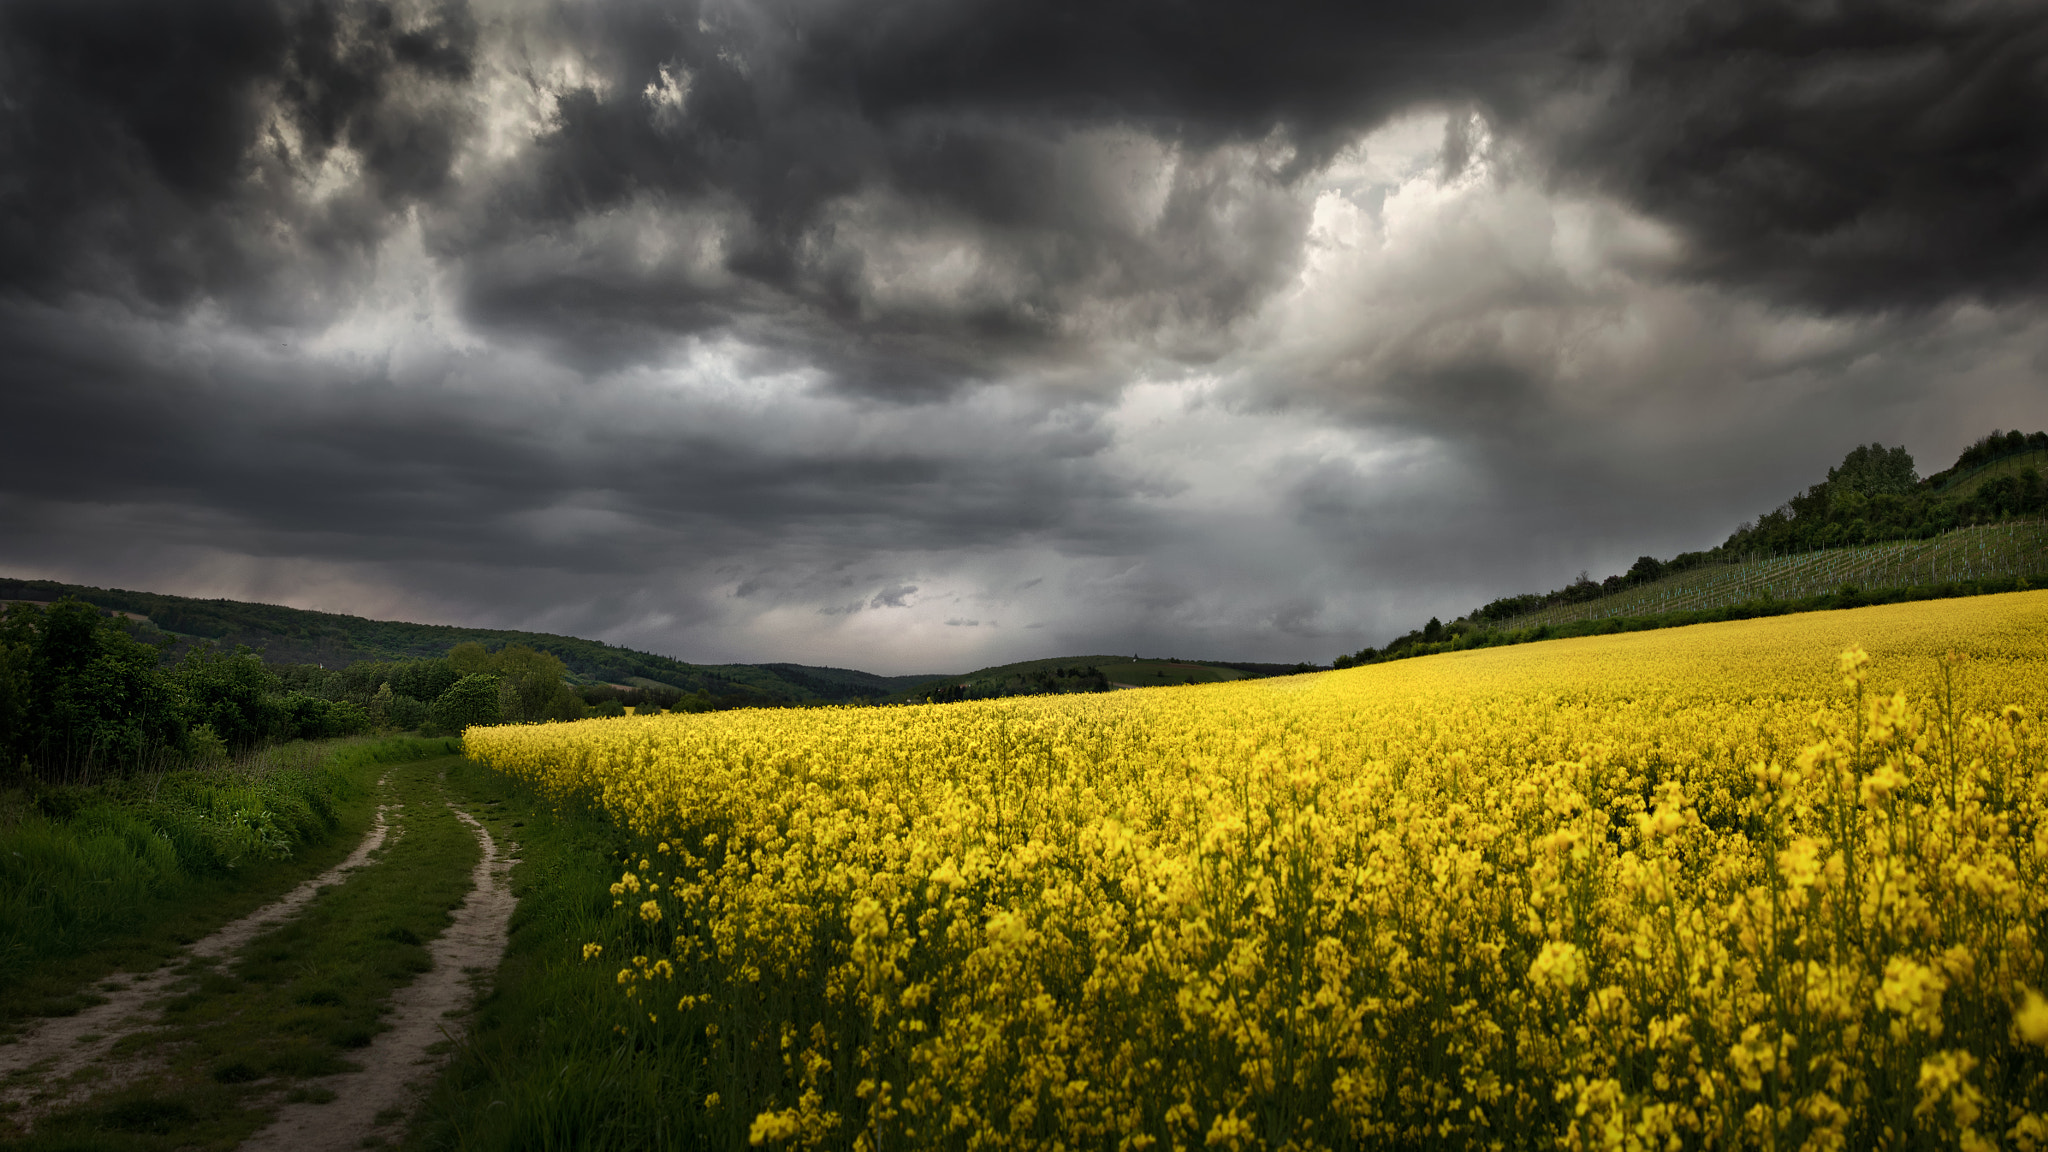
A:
[1707, 887]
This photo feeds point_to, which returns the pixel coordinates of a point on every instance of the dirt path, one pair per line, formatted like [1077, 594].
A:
[402, 1062]
[59, 1050]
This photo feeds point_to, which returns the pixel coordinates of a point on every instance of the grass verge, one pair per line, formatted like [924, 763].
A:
[549, 1061]
[120, 876]
[238, 1037]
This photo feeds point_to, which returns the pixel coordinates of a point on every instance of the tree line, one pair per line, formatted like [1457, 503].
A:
[298, 635]
[1034, 682]
[1874, 495]
[81, 692]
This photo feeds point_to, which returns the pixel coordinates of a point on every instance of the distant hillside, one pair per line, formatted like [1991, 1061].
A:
[844, 683]
[1069, 674]
[298, 636]
[1874, 526]
[1964, 555]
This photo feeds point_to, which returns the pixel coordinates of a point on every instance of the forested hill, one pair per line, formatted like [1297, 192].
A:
[1874, 496]
[297, 636]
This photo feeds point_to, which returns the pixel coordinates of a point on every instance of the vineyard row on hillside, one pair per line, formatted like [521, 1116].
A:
[2000, 550]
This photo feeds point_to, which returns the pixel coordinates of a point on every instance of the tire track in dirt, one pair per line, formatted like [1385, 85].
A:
[400, 1064]
[58, 1051]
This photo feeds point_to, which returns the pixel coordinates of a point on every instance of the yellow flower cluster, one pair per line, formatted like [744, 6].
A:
[1708, 887]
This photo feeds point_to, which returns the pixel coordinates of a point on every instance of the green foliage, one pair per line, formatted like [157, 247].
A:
[423, 679]
[412, 657]
[76, 690]
[1462, 634]
[301, 999]
[407, 714]
[1070, 674]
[534, 684]
[845, 683]
[470, 701]
[1873, 470]
[1872, 496]
[17, 649]
[204, 748]
[1989, 450]
[295, 636]
[229, 692]
[79, 695]
[543, 1066]
[85, 863]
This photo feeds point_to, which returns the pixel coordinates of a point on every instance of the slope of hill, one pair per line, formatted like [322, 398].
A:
[1874, 525]
[298, 636]
[1064, 674]
[845, 683]
[1962, 484]
[1965, 554]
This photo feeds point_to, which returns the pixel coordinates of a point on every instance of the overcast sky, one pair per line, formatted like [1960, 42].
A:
[912, 335]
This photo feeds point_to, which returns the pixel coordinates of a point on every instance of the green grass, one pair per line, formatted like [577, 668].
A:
[1158, 673]
[119, 877]
[1966, 485]
[546, 1064]
[298, 1002]
[1966, 554]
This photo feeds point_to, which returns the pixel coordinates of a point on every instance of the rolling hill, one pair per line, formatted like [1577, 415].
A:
[1963, 554]
[1873, 528]
[299, 636]
[1084, 674]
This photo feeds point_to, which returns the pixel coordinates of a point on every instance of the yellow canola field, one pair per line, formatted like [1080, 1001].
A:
[1722, 886]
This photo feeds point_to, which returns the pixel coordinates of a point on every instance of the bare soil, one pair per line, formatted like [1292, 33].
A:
[427, 1019]
[61, 1060]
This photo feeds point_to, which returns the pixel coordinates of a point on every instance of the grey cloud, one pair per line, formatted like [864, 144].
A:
[892, 597]
[436, 311]
[1845, 156]
[161, 153]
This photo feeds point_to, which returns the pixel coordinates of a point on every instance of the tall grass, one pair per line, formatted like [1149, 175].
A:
[79, 865]
[543, 1066]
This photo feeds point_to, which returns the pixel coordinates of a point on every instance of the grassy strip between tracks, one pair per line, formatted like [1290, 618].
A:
[241, 1035]
[118, 877]
[546, 1064]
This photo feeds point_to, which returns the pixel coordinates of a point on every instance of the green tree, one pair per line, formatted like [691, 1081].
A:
[346, 718]
[406, 714]
[379, 709]
[1872, 469]
[471, 658]
[538, 681]
[232, 692]
[17, 647]
[470, 701]
[423, 679]
[95, 694]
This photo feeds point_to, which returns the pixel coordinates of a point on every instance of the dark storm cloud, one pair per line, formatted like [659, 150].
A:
[1031, 318]
[1850, 156]
[826, 134]
[158, 152]
[342, 466]
[167, 154]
